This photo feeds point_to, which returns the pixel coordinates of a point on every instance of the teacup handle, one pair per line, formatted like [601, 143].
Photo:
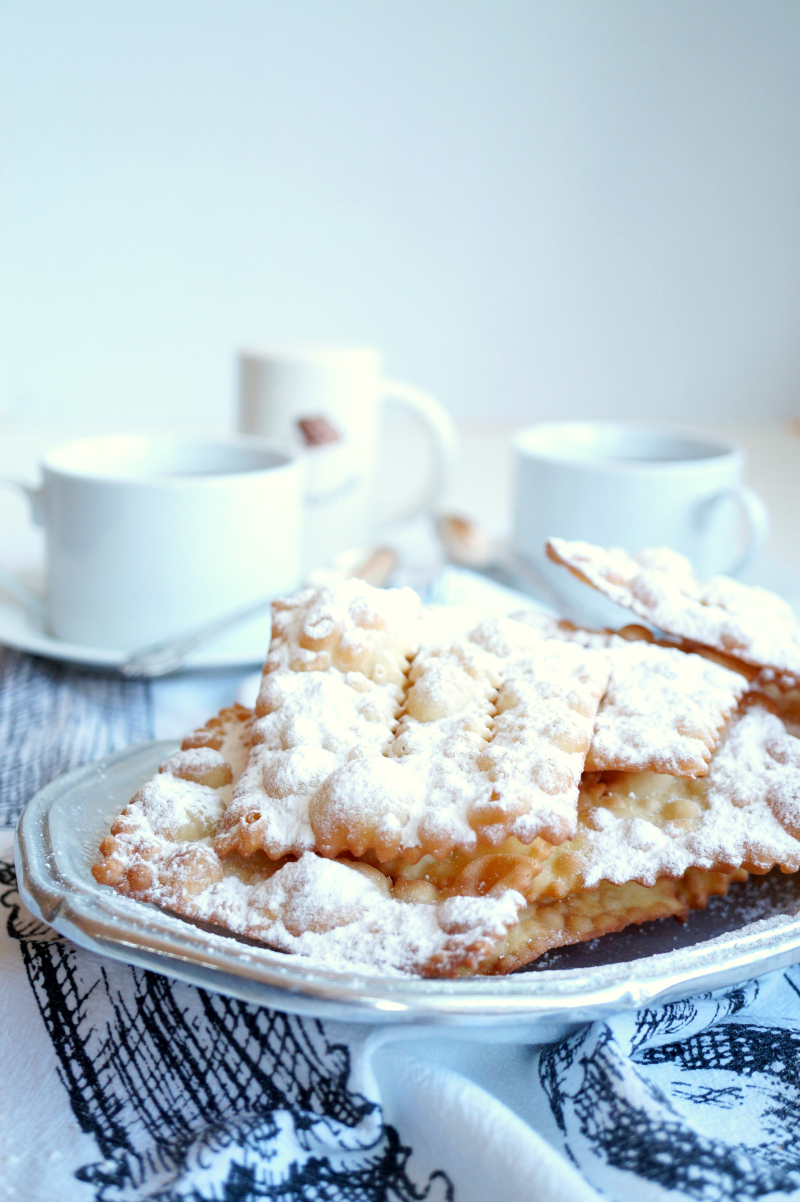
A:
[756, 519]
[27, 597]
[442, 434]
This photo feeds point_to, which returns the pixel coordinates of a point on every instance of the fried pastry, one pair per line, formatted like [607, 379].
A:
[663, 710]
[740, 620]
[589, 913]
[744, 814]
[333, 683]
[337, 912]
[410, 750]
[341, 912]
[646, 827]
[179, 808]
[438, 796]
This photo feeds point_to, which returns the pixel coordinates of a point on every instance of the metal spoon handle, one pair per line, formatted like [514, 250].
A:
[157, 659]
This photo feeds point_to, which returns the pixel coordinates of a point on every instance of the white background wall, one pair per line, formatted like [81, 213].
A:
[537, 209]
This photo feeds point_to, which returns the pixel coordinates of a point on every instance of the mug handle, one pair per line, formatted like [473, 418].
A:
[756, 519]
[442, 434]
[26, 596]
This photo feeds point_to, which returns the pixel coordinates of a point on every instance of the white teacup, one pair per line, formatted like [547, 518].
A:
[147, 537]
[327, 400]
[630, 486]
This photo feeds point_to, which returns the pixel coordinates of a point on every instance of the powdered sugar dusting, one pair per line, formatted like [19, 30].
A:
[745, 812]
[333, 684]
[339, 914]
[481, 735]
[744, 621]
[663, 709]
[545, 712]
[496, 728]
[329, 912]
[198, 760]
[171, 808]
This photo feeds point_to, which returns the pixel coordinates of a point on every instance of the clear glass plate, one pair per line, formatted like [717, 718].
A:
[752, 931]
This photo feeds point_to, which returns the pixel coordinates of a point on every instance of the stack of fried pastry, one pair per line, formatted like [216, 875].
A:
[419, 793]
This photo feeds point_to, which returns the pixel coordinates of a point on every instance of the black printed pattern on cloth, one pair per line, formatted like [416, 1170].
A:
[55, 717]
[697, 1097]
[192, 1097]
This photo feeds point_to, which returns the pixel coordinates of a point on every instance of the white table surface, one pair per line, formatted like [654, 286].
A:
[481, 487]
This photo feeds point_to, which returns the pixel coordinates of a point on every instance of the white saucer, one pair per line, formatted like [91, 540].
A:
[244, 647]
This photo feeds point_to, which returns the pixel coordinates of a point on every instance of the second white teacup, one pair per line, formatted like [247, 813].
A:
[327, 400]
[631, 486]
[147, 537]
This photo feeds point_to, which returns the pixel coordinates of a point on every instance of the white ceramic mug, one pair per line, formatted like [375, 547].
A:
[148, 537]
[632, 486]
[327, 400]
